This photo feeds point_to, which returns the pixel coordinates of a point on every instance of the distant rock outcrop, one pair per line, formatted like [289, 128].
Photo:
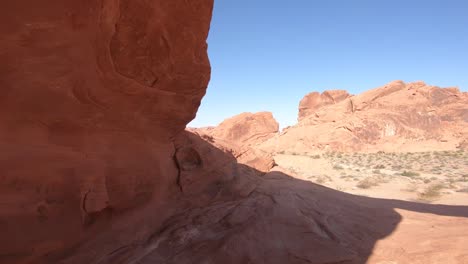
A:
[247, 128]
[313, 101]
[243, 133]
[395, 117]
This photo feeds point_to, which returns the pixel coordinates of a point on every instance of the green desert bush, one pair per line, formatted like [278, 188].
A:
[410, 174]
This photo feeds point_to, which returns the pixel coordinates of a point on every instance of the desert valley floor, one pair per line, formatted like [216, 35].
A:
[429, 177]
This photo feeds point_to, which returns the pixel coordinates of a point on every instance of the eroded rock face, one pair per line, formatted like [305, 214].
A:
[93, 93]
[247, 128]
[315, 100]
[395, 117]
[242, 133]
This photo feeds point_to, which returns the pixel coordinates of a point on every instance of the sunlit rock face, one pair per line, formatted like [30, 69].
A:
[93, 93]
[398, 116]
[315, 100]
[243, 133]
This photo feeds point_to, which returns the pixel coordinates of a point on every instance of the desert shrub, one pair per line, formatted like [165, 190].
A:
[322, 179]
[431, 193]
[409, 174]
[338, 167]
[339, 188]
[380, 166]
[367, 183]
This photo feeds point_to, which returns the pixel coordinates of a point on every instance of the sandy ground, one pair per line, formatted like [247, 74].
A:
[439, 177]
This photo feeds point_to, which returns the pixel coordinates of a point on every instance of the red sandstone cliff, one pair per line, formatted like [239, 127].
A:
[93, 94]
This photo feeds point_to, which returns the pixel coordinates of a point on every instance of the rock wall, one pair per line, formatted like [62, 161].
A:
[398, 116]
[93, 94]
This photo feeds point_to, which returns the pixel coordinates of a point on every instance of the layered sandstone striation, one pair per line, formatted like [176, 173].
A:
[395, 117]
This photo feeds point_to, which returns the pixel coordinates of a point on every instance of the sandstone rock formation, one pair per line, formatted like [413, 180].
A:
[396, 117]
[242, 133]
[313, 101]
[247, 128]
[93, 93]
[96, 168]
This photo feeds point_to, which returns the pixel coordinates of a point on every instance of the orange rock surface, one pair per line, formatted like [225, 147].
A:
[96, 166]
[242, 134]
[93, 94]
[313, 101]
[396, 117]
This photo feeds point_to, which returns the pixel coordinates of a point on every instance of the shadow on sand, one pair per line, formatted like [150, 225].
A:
[227, 213]
[278, 219]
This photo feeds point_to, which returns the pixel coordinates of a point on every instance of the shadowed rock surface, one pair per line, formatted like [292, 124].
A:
[96, 168]
[93, 94]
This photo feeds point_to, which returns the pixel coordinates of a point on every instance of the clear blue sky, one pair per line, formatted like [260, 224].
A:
[267, 54]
